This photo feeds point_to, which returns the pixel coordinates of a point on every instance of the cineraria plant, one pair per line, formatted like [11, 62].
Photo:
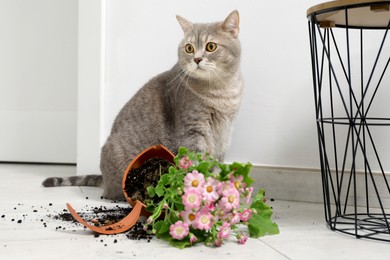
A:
[202, 200]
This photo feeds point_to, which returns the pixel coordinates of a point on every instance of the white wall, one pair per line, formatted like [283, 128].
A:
[38, 80]
[276, 123]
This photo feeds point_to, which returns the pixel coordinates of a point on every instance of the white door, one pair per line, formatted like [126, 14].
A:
[38, 80]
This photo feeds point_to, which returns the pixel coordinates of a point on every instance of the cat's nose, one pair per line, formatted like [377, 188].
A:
[197, 60]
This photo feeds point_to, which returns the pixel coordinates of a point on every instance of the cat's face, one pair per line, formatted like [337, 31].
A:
[210, 51]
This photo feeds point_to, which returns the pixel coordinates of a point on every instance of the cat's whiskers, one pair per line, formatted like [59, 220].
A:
[218, 72]
[175, 84]
[218, 76]
[215, 72]
[178, 75]
[209, 78]
[186, 75]
[223, 72]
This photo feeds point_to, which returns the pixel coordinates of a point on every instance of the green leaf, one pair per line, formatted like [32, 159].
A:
[164, 179]
[224, 171]
[181, 244]
[151, 191]
[172, 171]
[180, 154]
[242, 169]
[150, 208]
[260, 224]
[161, 227]
[159, 190]
[203, 167]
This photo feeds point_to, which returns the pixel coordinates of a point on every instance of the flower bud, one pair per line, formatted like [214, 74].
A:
[241, 238]
[185, 163]
[218, 242]
[193, 238]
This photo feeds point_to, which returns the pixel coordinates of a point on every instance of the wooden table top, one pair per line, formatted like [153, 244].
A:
[361, 13]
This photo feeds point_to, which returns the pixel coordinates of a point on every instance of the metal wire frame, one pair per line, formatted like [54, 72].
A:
[339, 175]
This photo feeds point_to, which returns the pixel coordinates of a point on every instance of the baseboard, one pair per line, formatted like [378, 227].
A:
[300, 184]
[294, 184]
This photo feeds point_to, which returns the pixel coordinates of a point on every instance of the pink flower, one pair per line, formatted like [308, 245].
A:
[203, 220]
[232, 217]
[179, 230]
[245, 215]
[193, 238]
[235, 218]
[241, 238]
[248, 195]
[218, 242]
[219, 213]
[237, 181]
[194, 180]
[224, 186]
[192, 199]
[210, 190]
[188, 216]
[224, 231]
[209, 205]
[231, 199]
[185, 163]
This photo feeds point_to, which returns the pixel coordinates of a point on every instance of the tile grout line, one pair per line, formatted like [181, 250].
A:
[276, 250]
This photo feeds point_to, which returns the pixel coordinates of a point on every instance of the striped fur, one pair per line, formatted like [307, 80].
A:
[86, 180]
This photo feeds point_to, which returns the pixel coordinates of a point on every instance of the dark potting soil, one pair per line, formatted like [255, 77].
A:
[101, 216]
[147, 174]
[137, 182]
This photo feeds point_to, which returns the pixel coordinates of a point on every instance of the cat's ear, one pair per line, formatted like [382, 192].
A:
[185, 24]
[232, 24]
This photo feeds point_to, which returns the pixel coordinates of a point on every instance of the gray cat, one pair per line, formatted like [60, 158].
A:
[192, 105]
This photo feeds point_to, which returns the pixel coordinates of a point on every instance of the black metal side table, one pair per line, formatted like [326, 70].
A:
[350, 53]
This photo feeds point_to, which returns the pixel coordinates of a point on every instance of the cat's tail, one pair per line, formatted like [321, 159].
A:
[86, 180]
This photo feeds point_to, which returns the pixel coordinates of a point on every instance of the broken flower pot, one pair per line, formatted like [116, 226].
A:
[130, 220]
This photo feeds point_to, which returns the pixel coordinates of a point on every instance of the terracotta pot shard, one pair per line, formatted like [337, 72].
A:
[130, 220]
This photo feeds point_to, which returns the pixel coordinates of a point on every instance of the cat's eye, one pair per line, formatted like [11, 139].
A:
[189, 48]
[211, 46]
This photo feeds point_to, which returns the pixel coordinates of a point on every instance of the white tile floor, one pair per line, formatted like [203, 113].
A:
[303, 232]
